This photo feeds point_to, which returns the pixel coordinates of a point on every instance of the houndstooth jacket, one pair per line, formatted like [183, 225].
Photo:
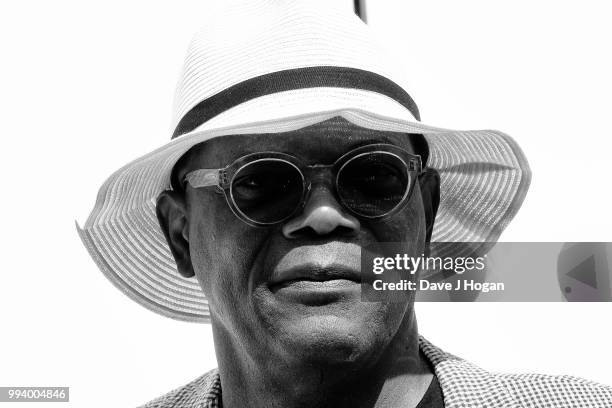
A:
[463, 384]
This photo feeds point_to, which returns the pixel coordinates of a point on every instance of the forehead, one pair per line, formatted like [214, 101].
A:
[320, 143]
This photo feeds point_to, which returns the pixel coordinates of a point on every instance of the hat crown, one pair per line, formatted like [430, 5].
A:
[241, 41]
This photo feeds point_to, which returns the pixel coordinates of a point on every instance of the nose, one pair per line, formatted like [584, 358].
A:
[322, 215]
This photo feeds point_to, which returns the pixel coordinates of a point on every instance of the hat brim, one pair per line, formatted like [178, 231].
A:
[484, 179]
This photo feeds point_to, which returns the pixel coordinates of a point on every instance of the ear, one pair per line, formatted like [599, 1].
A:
[172, 216]
[429, 181]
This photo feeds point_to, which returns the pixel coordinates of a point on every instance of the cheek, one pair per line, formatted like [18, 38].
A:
[210, 226]
[223, 250]
[406, 225]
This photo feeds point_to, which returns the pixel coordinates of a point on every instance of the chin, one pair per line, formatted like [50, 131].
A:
[337, 337]
[328, 339]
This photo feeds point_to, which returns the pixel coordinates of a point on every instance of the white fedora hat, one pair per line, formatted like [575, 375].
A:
[271, 66]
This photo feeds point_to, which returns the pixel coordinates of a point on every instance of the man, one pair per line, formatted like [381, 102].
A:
[294, 148]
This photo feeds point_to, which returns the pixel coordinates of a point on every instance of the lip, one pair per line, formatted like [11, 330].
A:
[314, 285]
[314, 273]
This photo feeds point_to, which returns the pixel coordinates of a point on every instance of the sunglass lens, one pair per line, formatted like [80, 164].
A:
[267, 191]
[373, 184]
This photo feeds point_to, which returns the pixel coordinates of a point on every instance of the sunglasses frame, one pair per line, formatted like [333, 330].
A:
[223, 178]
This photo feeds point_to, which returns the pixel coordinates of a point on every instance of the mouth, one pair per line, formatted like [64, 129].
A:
[315, 273]
[313, 284]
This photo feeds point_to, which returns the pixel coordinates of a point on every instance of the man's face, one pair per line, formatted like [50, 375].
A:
[294, 288]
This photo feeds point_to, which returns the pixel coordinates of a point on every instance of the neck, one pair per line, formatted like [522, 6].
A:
[399, 376]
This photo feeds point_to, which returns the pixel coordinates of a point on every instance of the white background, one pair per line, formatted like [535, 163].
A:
[86, 87]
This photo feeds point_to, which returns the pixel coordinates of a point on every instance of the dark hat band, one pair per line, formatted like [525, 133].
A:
[287, 80]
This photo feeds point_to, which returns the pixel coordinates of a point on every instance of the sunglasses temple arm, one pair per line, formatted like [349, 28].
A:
[415, 164]
[203, 178]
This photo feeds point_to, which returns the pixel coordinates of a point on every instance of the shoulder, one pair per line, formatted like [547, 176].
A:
[539, 390]
[204, 391]
[465, 384]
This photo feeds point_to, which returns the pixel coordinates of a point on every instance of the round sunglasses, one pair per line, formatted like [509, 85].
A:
[267, 188]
